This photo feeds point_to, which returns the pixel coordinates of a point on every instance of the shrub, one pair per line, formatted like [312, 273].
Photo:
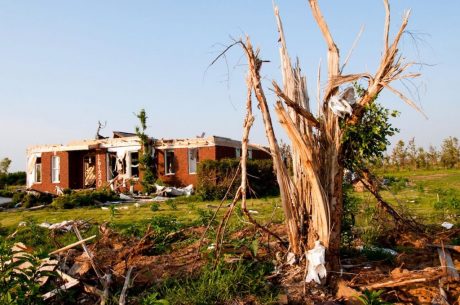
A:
[6, 193]
[172, 204]
[154, 207]
[83, 198]
[215, 178]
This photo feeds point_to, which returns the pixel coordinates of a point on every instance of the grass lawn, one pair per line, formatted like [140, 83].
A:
[266, 209]
[424, 195]
[419, 196]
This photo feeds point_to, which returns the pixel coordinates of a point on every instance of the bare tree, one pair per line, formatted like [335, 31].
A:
[312, 196]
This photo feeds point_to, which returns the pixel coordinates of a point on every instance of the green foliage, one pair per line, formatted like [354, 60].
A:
[215, 177]
[221, 285]
[154, 207]
[83, 198]
[146, 161]
[18, 197]
[350, 209]
[153, 299]
[17, 178]
[6, 193]
[372, 298]
[205, 217]
[366, 141]
[377, 254]
[396, 184]
[31, 200]
[171, 203]
[113, 212]
[449, 200]
[19, 286]
[5, 165]
[450, 152]
[161, 226]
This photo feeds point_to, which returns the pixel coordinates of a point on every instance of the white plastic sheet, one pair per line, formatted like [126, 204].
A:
[341, 104]
[316, 261]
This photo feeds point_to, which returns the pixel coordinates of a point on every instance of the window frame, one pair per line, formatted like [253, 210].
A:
[135, 166]
[38, 165]
[166, 162]
[53, 169]
[197, 159]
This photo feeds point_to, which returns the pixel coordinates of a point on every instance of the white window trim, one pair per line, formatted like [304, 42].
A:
[166, 162]
[35, 173]
[188, 159]
[53, 178]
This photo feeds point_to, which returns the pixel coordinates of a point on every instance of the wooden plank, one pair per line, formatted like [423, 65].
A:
[80, 242]
[447, 263]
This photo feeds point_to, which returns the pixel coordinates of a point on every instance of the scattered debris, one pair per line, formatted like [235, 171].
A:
[447, 225]
[169, 191]
[316, 261]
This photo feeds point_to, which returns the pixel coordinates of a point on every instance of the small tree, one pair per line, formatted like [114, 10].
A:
[5, 165]
[433, 156]
[450, 152]
[146, 161]
[399, 154]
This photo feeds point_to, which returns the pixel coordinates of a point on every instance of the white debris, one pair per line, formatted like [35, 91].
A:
[104, 208]
[137, 205]
[125, 197]
[341, 104]
[174, 191]
[316, 261]
[45, 225]
[212, 247]
[384, 250]
[290, 258]
[253, 212]
[447, 225]
[22, 224]
[122, 208]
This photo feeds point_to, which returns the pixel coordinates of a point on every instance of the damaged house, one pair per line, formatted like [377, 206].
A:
[114, 162]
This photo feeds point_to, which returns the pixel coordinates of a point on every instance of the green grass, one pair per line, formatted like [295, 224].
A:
[421, 194]
[419, 197]
[184, 211]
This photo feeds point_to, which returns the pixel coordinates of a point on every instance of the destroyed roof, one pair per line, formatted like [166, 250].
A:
[122, 134]
[123, 139]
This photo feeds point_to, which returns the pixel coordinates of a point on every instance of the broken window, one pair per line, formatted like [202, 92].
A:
[193, 160]
[55, 169]
[135, 164]
[169, 162]
[89, 169]
[250, 154]
[112, 166]
[38, 170]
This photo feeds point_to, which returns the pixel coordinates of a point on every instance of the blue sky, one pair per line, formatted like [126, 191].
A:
[64, 65]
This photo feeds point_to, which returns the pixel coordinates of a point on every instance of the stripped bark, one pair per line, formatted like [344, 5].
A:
[312, 196]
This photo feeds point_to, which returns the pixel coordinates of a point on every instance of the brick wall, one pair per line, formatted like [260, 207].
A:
[182, 177]
[47, 185]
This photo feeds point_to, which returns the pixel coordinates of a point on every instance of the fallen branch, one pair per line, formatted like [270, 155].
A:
[122, 300]
[390, 284]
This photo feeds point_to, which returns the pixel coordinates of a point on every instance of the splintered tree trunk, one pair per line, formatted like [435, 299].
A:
[312, 197]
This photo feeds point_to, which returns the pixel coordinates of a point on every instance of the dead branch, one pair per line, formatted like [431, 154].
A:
[122, 300]
[302, 111]
[72, 245]
[370, 184]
